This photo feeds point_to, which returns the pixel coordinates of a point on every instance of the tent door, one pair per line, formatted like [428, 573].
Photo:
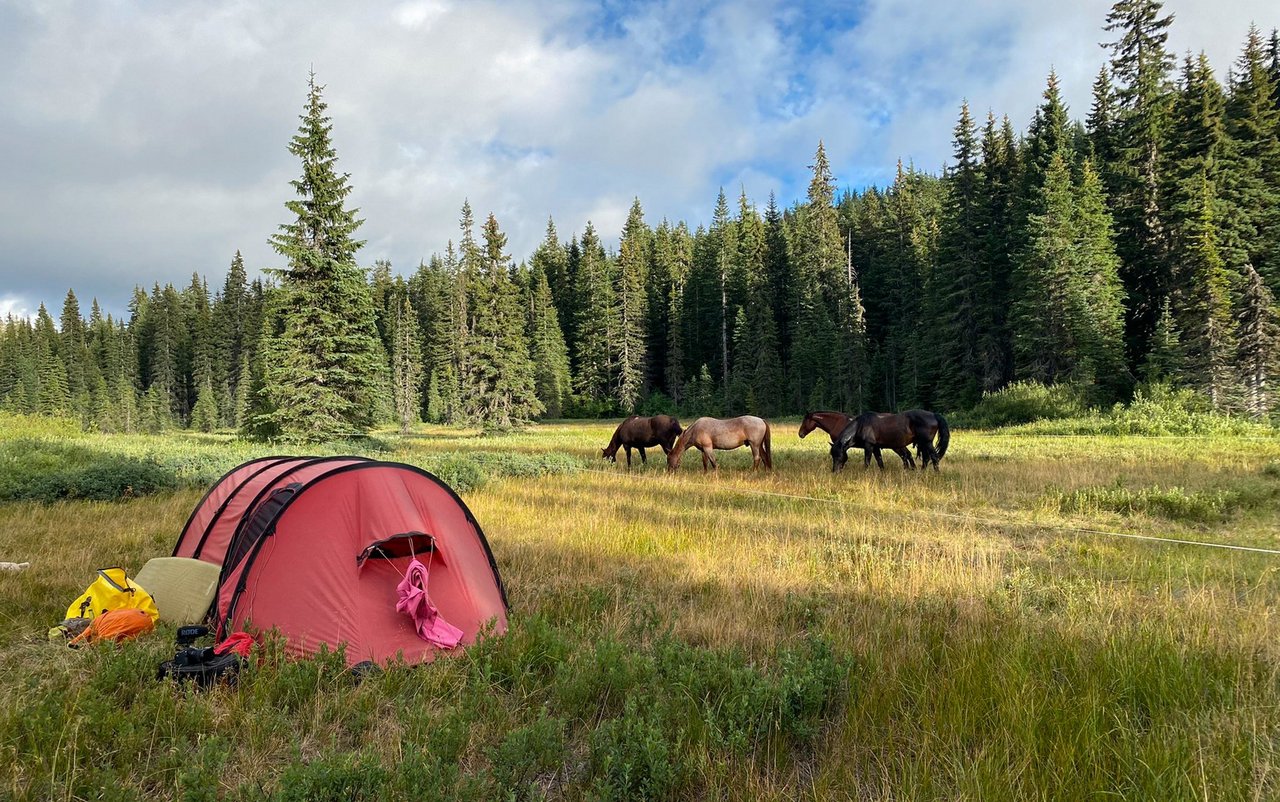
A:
[397, 546]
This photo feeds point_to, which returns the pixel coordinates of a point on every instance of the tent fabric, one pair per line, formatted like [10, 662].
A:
[209, 532]
[321, 561]
[211, 506]
[182, 587]
[414, 602]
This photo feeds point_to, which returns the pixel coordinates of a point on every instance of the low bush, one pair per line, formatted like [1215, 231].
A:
[658, 403]
[1156, 410]
[1172, 503]
[1024, 402]
[34, 470]
[466, 471]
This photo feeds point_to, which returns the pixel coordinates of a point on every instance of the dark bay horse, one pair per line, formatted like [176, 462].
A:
[833, 423]
[874, 430]
[642, 433]
[711, 434]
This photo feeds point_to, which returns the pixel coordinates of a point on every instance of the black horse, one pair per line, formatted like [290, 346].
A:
[873, 431]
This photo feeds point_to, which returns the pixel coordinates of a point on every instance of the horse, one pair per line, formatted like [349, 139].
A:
[642, 433]
[833, 423]
[709, 434]
[886, 430]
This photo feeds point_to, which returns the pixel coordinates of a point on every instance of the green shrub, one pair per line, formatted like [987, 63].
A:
[1024, 402]
[636, 756]
[527, 754]
[334, 778]
[35, 470]
[1156, 410]
[1172, 503]
[466, 471]
[657, 403]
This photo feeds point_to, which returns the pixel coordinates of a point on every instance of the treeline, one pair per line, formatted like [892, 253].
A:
[1140, 244]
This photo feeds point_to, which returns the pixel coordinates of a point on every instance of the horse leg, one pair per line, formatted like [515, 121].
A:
[866, 458]
[704, 459]
[908, 464]
[643, 459]
[628, 448]
[757, 454]
[879, 462]
[928, 454]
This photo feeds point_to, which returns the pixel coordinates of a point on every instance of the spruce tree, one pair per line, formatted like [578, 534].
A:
[959, 324]
[635, 250]
[53, 396]
[499, 383]
[204, 415]
[1140, 65]
[1046, 304]
[1203, 303]
[1164, 361]
[323, 360]
[406, 364]
[1253, 123]
[1258, 334]
[547, 348]
[677, 257]
[997, 196]
[598, 324]
[819, 260]
[231, 323]
[1102, 333]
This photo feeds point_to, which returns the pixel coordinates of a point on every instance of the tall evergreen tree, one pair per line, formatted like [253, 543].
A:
[1046, 305]
[1253, 189]
[406, 364]
[634, 254]
[998, 198]
[499, 383]
[819, 259]
[1140, 65]
[598, 325]
[1258, 332]
[959, 322]
[1102, 361]
[323, 361]
[1202, 305]
[547, 348]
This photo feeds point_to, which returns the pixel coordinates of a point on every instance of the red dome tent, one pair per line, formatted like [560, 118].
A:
[315, 547]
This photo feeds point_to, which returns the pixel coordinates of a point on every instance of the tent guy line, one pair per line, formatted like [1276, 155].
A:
[995, 522]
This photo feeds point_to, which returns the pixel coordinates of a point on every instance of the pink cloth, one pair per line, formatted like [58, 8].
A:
[413, 602]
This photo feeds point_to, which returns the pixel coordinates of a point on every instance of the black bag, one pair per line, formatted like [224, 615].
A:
[199, 663]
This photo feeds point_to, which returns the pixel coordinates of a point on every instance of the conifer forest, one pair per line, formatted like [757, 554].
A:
[1133, 242]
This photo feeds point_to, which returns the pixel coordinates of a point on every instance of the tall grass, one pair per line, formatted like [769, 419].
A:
[692, 637]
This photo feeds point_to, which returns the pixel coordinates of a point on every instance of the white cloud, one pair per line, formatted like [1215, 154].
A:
[13, 305]
[149, 141]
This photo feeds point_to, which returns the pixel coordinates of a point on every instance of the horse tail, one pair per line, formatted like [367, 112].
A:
[765, 447]
[944, 436]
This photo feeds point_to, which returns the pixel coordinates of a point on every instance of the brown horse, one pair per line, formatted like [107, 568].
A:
[833, 423]
[874, 430]
[642, 433]
[709, 434]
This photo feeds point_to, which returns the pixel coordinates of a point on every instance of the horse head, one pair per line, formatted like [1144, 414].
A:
[808, 424]
[839, 455]
[610, 453]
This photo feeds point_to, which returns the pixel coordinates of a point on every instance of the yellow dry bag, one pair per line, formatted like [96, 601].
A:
[112, 590]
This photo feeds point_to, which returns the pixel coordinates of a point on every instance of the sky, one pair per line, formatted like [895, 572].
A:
[142, 142]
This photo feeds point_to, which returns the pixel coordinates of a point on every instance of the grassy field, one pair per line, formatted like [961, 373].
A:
[788, 635]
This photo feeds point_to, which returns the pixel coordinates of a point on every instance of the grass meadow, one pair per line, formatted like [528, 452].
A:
[786, 635]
